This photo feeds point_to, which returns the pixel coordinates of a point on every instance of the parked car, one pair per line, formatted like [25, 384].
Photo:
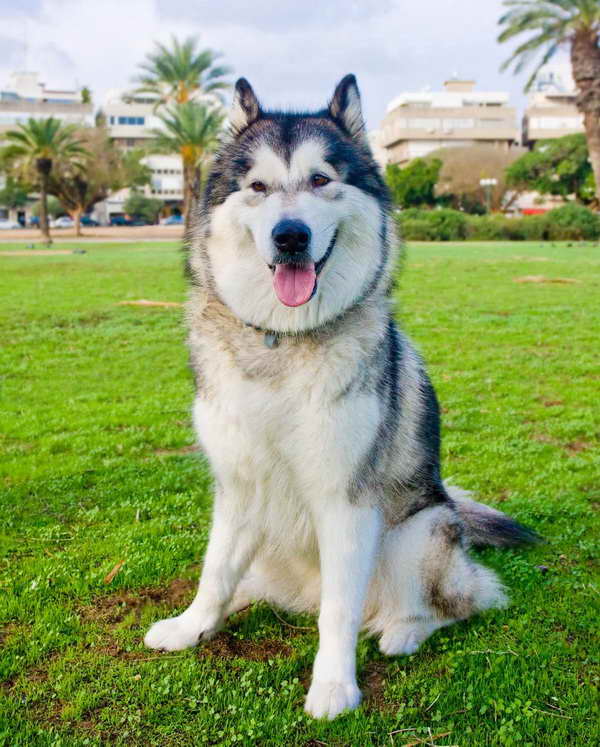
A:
[9, 225]
[173, 220]
[63, 222]
[86, 220]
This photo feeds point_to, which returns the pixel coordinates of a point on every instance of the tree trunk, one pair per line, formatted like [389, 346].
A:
[43, 166]
[44, 224]
[76, 215]
[585, 62]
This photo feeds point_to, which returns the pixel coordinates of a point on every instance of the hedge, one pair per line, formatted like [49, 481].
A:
[571, 222]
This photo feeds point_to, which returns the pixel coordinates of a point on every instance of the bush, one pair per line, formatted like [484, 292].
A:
[487, 227]
[573, 222]
[432, 225]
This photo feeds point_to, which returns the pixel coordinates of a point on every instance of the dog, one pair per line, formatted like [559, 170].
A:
[315, 411]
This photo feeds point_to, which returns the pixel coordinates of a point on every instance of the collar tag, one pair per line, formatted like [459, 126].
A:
[271, 340]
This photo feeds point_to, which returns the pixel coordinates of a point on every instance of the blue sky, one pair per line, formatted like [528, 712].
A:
[292, 52]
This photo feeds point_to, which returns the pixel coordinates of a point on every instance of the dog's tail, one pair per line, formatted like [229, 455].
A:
[487, 526]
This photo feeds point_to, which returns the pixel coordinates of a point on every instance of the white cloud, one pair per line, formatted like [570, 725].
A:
[292, 52]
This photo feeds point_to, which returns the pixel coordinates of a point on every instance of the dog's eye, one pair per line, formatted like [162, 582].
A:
[258, 187]
[319, 180]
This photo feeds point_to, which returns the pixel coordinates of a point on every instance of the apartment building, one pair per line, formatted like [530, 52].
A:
[418, 123]
[25, 97]
[551, 110]
[130, 120]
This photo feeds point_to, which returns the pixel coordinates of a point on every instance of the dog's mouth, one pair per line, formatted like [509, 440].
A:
[296, 283]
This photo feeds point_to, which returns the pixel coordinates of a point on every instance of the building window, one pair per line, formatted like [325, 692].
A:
[130, 120]
[457, 124]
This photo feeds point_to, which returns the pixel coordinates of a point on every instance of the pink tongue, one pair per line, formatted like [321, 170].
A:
[294, 285]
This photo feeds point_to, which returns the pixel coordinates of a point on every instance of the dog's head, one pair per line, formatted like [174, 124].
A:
[295, 213]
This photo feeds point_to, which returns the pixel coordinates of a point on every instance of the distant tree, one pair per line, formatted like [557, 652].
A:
[54, 207]
[552, 25]
[137, 204]
[14, 194]
[557, 167]
[413, 185]
[34, 149]
[192, 131]
[462, 169]
[86, 95]
[175, 75]
[79, 185]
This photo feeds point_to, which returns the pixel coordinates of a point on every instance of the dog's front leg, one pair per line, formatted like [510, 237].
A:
[348, 539]
[231, 547]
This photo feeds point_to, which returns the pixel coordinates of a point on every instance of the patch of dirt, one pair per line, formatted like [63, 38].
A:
[226, 646]
[552, 402]
[544, 438]
[575, 447]
[192, 449]
[116, 607]
[35, 252]
[544, 279]
[372, 683]
[145, 302]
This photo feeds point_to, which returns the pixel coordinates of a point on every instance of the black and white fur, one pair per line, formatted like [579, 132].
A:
[319, 421]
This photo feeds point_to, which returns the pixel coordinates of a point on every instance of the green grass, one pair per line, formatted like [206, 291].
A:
[94, 472]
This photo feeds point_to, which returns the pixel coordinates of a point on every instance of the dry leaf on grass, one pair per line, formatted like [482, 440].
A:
[544, 279]
[145, 302]
[109, 576]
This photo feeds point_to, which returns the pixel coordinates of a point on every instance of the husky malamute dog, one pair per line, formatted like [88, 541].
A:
[317, 415]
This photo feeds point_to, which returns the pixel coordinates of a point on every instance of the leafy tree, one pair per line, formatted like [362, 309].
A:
[414, 184]
[139, 205]
[552, 25]
[14, 193]
[80, 184]
[462, 169]
[557, 167]
[86, 95]
[54, 207]
[192, 131]
[35, 148]
[177, 74]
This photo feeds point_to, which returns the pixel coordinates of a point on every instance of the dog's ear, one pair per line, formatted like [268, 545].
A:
[245, 108]
[345, 107]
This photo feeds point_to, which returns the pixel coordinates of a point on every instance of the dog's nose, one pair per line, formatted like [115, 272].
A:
[291, 236]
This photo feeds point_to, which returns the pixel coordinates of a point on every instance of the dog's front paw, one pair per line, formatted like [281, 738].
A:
[329, 699]
[177, 633]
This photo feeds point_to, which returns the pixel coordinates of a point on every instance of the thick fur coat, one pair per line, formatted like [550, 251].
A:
[315, 412]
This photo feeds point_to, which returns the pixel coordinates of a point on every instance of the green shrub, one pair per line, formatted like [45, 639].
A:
[572, 222]
[432, 225]
[417, 229]
[487, 227]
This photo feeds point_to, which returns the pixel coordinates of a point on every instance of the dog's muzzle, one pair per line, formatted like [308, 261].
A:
[295, 275]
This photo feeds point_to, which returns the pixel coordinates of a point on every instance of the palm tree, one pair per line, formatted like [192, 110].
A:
[192, 131]
[552, 25]
[34, 148]
[176, 74]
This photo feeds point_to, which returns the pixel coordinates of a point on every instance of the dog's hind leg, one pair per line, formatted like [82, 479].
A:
[425, 581]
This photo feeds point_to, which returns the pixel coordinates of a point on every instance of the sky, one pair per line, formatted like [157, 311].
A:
[293, 52]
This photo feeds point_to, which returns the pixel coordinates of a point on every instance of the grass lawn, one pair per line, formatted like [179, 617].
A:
[105, 509]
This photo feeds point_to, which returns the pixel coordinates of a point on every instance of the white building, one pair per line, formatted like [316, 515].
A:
[130, 120]
[25, 97]
[418, 123]
[551, 110]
